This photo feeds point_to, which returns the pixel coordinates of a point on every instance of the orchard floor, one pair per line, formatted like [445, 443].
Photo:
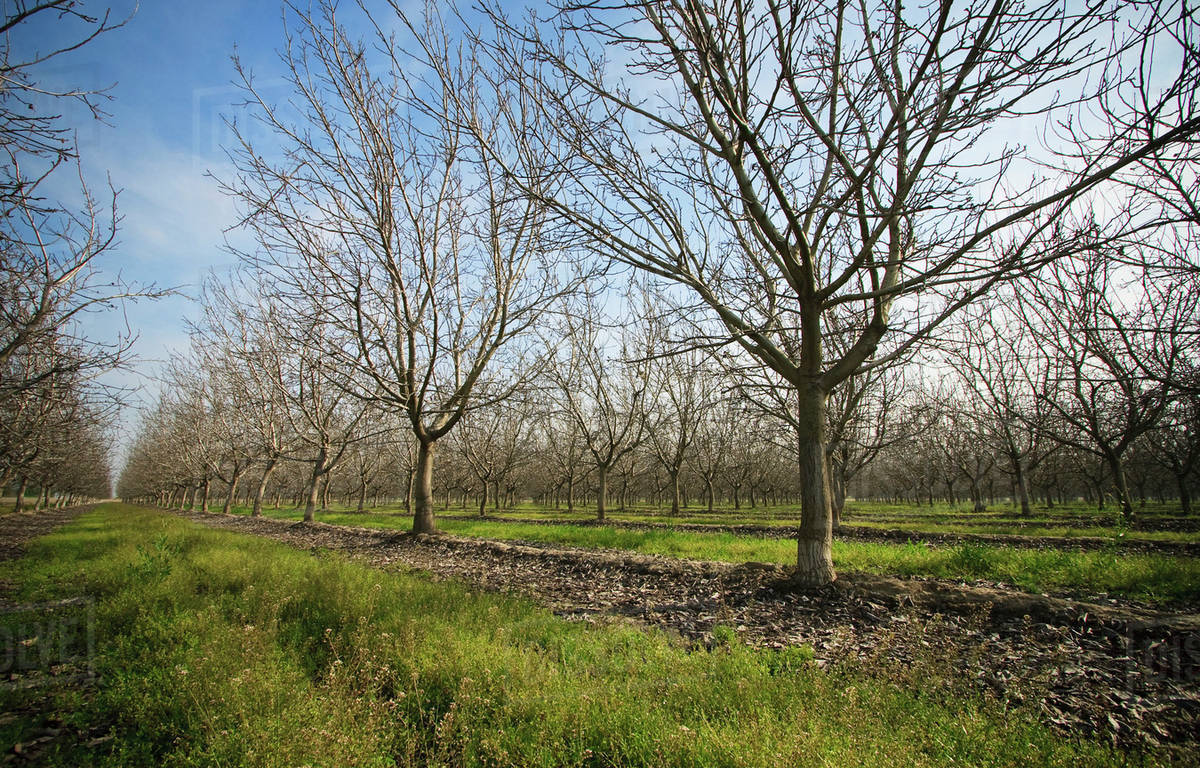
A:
[1116, 670]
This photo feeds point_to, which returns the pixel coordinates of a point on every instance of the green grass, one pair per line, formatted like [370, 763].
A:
[216, 649]
[1073, 521]
[1015, 529]
[1161, 579]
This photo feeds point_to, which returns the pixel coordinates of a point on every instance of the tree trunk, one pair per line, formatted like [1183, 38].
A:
[1185, 495]
[602, 494]
[814, 543]
[314, 485]
[362, 497]
[262, 487]
[675, 492]
[422, 492]
[412, 486]
[314, 494]
[233, 484]
[20, 503]
[1122, 486]
[709, 489]
[837, 499]
[204, 499]
[1022, 487]
[483, 497]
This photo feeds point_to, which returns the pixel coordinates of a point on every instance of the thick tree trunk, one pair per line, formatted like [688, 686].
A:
[483, 498]
[422, 492]
[314, 485]
[314, 495]
[1185, 495]
[711, 493]
[204, 499]
[814, 544]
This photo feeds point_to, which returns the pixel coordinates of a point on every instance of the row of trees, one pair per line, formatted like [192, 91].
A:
[55, 415]
[1012, 403]
[816, 189]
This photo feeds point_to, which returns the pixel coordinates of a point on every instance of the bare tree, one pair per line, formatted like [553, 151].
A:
[563, 450]
[380, 212]
[1175, 446]
[1095, 333]
[49, 278]
[683, 390]
[787, 162]
[241, 335]
[494, 443]
[715, 436]
[601, 387]
[1002, 375]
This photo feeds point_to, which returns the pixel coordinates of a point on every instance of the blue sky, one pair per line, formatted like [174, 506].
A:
[172, 84]
[171, 78]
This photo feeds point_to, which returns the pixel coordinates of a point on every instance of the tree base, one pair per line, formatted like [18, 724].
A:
[801, 581]
[814, 564]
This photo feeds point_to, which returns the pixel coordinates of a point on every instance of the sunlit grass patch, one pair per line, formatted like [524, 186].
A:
[221, 649]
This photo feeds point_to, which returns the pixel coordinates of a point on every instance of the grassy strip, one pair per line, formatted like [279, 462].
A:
[1069, 522]
[930, 525]
[1159, 579]
[1062, 531]
[220, 649]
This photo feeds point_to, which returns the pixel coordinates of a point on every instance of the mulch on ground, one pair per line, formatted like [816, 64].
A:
[17, 529]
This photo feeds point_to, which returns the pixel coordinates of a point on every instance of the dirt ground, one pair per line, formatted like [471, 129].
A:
[1118, 670]
[17, 529]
